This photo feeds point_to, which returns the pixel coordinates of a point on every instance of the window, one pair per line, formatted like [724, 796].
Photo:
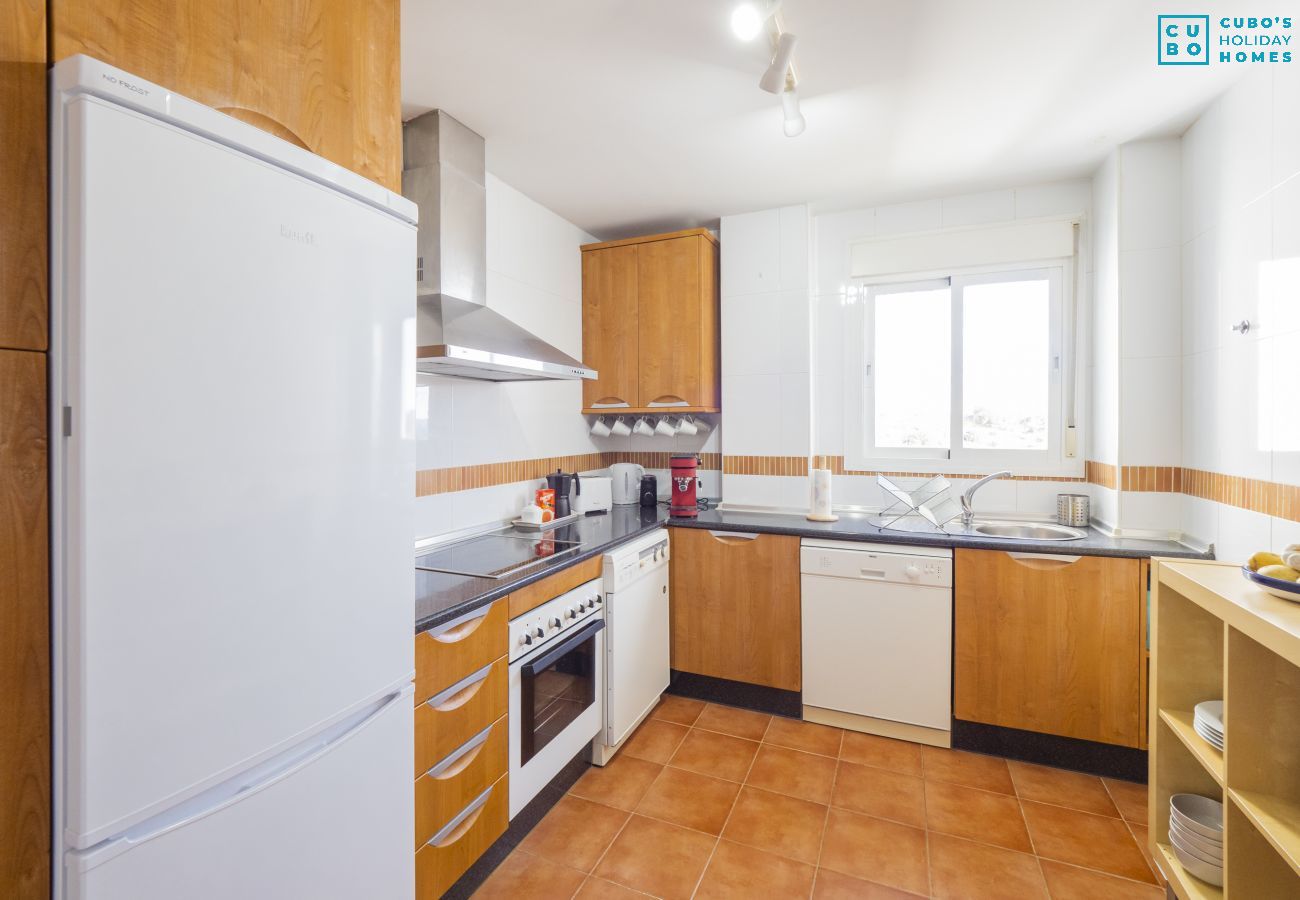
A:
[964, 369]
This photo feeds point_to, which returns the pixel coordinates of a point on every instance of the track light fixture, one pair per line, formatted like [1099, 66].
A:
[773, 80]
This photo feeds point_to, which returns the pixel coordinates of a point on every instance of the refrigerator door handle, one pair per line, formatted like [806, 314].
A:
[243, 785]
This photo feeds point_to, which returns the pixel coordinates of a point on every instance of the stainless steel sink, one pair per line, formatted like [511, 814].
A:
[1027, 531]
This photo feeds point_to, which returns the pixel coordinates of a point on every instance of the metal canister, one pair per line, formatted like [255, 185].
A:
[1073, 509]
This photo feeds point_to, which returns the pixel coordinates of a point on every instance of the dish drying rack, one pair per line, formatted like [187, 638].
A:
[928, 508]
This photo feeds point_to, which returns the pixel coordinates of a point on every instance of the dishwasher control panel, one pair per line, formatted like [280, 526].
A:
[931, 567]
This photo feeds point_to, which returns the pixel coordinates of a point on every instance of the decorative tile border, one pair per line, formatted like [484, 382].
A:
[1270, 498]
[1101, 473]
[466, 478]
[765, 465]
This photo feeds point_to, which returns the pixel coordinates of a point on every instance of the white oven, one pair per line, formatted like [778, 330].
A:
[557, 687]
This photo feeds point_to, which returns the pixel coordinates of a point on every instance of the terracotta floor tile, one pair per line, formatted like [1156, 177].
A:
[523, 875]
[682, 710]
[599, 889]
[876, 850]
[880, 793]
[979, 815]
[1061, 787]
[738, 871]
[777, 823]
[622, 783]
[1071, 883]
[806, 736]
[719, 755]
[971, 871]
[803, 775]
[1130, 798]
[1094, 842]
[743, 723]
[575, 832]
[834, 886]
[988, 773]
[655, 741]
[1140, 835]
[657, 858]
[881, 752]
[690, 799]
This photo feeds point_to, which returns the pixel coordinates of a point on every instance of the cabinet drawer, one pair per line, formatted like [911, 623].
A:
[457, 846]
[450, 652]
[447, 720]
[452, 784]
[534, 595]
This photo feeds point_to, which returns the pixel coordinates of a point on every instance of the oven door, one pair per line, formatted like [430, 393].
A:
[556, 687]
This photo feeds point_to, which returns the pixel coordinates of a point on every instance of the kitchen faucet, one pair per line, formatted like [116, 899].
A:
[967, 511]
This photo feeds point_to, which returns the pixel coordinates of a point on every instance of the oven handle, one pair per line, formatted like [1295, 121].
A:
[543, 662]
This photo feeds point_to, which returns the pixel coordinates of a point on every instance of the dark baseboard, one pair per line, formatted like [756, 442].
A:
[520, 825]
[1109, 760]
[737, 693]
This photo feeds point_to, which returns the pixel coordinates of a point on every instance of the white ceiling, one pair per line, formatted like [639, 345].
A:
[630, 115]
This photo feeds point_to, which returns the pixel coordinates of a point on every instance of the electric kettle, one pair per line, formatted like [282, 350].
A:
[626, 485]
[563, 483]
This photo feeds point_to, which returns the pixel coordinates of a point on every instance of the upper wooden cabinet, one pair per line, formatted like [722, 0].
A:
[650, 323]
[1049, 643]
[323, 74]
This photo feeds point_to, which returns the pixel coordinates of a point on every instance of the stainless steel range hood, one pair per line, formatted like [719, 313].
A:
[456, 333]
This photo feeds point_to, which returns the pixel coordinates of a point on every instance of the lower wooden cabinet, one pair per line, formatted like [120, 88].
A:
[446, 721]
[453, 850]
[1049, 643]
[735, 606]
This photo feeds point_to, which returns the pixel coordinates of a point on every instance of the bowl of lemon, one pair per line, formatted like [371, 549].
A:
[1276, 573]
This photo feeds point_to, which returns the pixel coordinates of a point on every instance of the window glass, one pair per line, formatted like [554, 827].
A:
[1006, 352]
[913, 368]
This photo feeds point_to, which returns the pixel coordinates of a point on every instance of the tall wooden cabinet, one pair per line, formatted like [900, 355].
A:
[650, 323]
[1049, 643]
[734, 607]
[323, 74]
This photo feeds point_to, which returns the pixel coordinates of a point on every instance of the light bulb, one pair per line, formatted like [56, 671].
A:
[794, 120]
[748, 18]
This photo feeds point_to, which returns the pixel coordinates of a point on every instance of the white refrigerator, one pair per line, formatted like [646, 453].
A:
[232, 472]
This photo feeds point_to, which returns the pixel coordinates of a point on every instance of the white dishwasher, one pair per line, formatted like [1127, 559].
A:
[877, 638]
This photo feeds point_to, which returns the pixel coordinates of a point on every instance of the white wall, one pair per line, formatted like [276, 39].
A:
[1103, 360]
[1240, 234]
[534, 277]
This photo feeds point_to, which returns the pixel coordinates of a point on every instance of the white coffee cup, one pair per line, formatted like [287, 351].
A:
[686, 425]
[620, 428]
[665, 427]
[532, 514]
[643, 428]
[599, 428]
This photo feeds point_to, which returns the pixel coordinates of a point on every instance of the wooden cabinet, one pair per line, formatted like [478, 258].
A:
[323, 74]
[735, 606]
[650, 323]
[1049, 643]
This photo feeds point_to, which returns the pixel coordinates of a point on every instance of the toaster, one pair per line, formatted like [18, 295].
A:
[595, 495]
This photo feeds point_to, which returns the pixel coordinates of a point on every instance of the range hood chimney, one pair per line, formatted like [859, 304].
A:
[456, 333]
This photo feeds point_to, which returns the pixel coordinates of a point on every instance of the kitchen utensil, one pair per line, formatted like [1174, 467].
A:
[649, 491]
[620, 428]
[1210, 712]
[643, 427]
[686, 425]
[563, 483]
[595, 496]
[1208, 873]
[1284, 590]
[1200, 814]
[685, 483]
[626, 481]
[665, 427]
[599, 428]
[1208, 850]
[1073, 510]
[531, 514]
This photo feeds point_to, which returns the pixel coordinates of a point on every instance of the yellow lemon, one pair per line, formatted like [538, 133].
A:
[1285, 573]
[1263, 558]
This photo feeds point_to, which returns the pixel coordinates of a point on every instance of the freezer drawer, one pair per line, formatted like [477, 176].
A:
[336, 828]
[452, 784]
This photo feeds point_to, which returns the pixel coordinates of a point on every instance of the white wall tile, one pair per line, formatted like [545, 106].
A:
[1198, 520]
[751, 252]
[902, 218]
[1242, 533]
[1151, 302]
[752, 342]
[795, 415]
[1200, 425]
[1201, 326]
[1286, 125]
[1245, 403]
[1150, 178]
[1151, 512]
[978, 209]
[753, 414]
[433, 515]
[1105, 506]
[1063, 198]
[775, 491]
[796, 245]
[833, 234]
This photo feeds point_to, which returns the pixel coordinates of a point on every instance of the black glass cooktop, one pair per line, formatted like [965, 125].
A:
[497, 554]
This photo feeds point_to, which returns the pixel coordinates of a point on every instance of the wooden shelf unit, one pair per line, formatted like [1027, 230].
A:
[1215, 635]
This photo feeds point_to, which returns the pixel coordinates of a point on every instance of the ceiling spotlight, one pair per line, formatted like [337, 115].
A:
[794, 120]
[773, 80]
[748, 18]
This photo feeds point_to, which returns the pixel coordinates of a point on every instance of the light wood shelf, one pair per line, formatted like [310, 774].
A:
[1180, 722]
[1216, 635]
[1186, 886]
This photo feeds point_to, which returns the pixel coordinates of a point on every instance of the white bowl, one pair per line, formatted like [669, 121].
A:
[1201, 847]
[1200, 814]
[1211, 713]
[1208, 873]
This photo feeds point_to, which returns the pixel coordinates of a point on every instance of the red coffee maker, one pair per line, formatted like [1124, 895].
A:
[685, 482]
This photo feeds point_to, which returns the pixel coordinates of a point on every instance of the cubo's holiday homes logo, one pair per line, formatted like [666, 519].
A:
[1185, 40]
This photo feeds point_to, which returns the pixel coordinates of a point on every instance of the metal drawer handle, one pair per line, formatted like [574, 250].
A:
[454, 830]
[1045, 557]
[454, 632]
[460, 758]
[461, 692]
[738, 535]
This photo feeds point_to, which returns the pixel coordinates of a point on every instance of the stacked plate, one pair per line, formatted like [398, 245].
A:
[1208, 722]
[1196, 833]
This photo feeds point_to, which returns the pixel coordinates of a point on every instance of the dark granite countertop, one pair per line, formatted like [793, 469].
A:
[440, 598]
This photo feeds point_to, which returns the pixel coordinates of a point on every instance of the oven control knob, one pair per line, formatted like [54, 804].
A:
[597, 600]
[525, 639]
[554, 622]
[539, 632]
[570, 612]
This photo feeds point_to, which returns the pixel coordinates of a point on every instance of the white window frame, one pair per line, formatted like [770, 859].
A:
[861, 454]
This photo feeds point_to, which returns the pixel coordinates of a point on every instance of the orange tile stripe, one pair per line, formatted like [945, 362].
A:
[765, 465]
[1270, 498]
[465, 478]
